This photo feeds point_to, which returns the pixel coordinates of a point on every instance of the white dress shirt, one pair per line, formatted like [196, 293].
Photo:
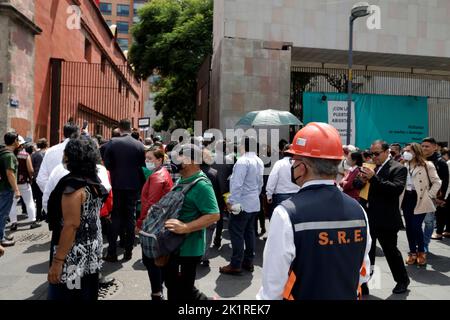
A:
[280, 179]
[52, 158]
[60, 172]
[246, 182]
[385, 161]
[280, 252]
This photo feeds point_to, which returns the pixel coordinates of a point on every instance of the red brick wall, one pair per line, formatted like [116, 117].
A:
[58, 41]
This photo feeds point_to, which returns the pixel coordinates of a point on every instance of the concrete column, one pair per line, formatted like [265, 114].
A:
[249, 75]
[17, 66]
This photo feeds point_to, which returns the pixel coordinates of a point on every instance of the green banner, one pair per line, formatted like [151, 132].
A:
[401, 119]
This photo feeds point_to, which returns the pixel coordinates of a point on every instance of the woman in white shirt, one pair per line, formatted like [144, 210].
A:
[279, 185]
[422, 185]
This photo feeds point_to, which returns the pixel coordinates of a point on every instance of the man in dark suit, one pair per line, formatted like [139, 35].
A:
[213, 176]
[115, 133]
[223, 163]
[387, 183]
[124, 158]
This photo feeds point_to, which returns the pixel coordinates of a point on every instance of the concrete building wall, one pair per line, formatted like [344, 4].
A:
[253, 75]
[412, 27]
[26, 7]
[4, 74]
[22, 79]
[414, 38]
[17, 54]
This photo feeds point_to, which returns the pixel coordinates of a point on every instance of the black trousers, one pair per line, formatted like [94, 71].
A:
[179, 277]
[443, 219]
[37, 196]
[219, 228]
[123, 218]
[154, 274]
[263, 212]
[388, 242]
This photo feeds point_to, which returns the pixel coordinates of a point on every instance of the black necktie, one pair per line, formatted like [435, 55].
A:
[376, 169]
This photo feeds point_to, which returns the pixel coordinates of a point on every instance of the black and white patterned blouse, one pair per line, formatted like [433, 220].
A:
[85, 256]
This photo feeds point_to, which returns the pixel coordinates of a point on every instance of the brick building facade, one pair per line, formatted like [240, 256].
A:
[81, 71]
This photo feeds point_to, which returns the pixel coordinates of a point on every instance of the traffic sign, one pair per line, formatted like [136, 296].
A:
[144, 122]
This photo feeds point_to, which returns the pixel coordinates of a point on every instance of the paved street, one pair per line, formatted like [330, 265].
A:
[24, 272]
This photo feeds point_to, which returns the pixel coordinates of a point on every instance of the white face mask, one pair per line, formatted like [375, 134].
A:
[150, 165]
[408, 156]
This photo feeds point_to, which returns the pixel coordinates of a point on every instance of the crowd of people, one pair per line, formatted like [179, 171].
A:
[91, 191]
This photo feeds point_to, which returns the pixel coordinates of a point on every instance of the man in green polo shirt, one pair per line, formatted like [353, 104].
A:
[8, 182]
[200, 209]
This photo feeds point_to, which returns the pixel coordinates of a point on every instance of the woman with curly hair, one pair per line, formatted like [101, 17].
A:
[76, 246]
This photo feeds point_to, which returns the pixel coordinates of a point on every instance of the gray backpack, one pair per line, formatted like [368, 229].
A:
[156, 240]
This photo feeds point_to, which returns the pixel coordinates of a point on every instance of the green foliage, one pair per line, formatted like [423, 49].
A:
[174, 37]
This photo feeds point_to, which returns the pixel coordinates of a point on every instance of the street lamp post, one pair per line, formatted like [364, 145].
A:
[361, 9]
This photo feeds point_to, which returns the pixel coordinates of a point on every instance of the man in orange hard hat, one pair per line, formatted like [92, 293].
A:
[319, 239]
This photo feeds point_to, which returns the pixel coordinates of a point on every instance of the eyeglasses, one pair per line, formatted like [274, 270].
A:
[376, 154]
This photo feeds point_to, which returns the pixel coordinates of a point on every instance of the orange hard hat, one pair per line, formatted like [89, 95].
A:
[317, 140]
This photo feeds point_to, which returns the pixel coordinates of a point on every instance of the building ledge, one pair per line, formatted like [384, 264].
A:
[11, 11]
[372, 60]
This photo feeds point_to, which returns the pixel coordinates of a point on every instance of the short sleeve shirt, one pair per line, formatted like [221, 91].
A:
[8, 161]
[199, 201]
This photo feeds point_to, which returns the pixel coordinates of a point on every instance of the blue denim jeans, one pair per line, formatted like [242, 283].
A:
[242, 231]
[428, 228]
[413, 222]
[278, 198]
[6, 201]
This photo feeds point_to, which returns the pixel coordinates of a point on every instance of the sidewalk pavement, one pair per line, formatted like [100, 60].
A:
[24, 267]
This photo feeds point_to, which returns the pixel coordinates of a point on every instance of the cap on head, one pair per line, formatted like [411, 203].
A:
[21, 140]
[191, 151]
[317, 140]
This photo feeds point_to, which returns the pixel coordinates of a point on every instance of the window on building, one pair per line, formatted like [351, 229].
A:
[123, 43]
[87, 50]
[122, 27]
[106, 8]
[108, 22]
[123, 10]
[103, 63]
[99, 128]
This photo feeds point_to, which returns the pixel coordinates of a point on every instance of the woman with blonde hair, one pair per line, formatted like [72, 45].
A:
[422, 186]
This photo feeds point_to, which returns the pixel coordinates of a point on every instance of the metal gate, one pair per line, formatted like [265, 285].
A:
[100, 94]
[435, 87]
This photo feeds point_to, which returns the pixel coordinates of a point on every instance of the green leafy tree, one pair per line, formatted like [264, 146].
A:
[174, 37]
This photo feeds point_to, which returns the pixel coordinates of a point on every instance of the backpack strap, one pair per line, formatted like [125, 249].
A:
[186, 187]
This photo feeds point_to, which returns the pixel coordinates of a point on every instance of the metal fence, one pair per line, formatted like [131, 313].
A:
[100, 94]
[435, 87]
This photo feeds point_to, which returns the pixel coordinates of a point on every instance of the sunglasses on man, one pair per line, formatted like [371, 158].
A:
[376, 153]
